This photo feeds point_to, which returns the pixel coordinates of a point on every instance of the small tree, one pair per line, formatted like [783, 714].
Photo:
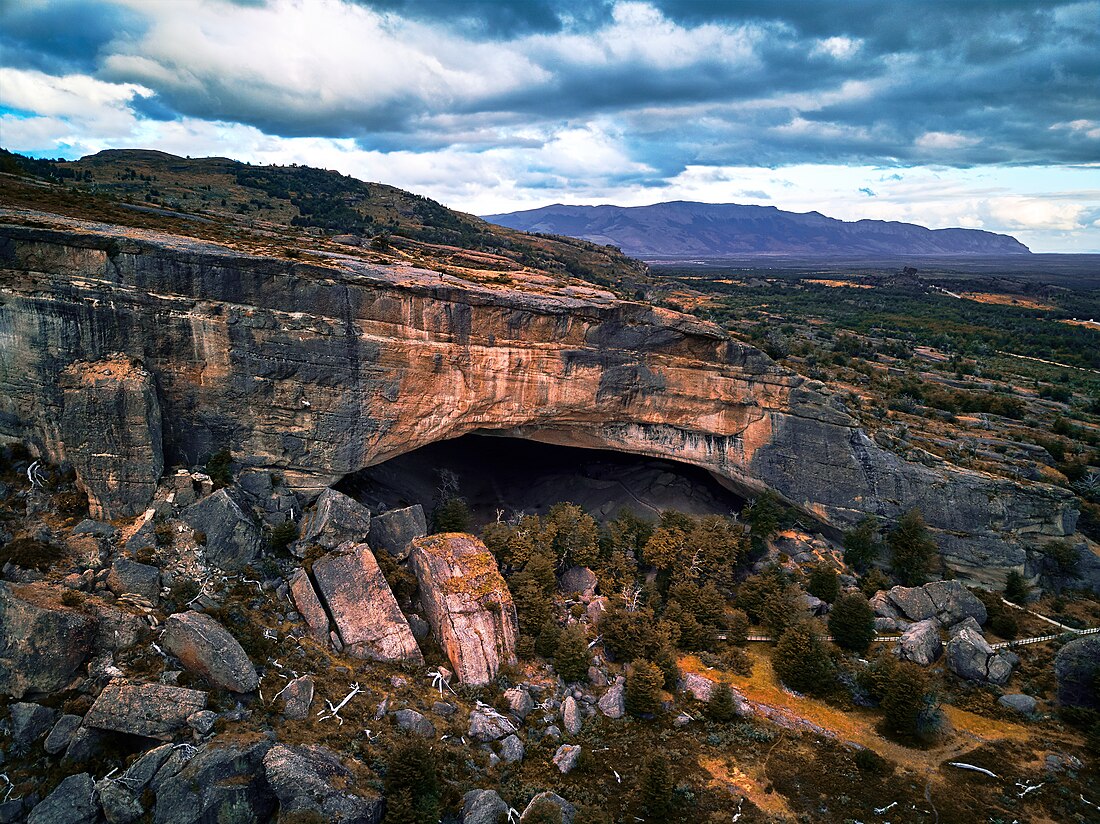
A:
[908, 701]
[571, 658]
[453, 515]
[643, 688]
[801, 659]
[737, 626]
[824, 583]
[1016, 588]
[852, 623]
[911, 548]
[412, 785]
[861, 545]
[220, 468]
[657, 787]
[546, 642]
[764, 515]
[720, 706]
[283, 534]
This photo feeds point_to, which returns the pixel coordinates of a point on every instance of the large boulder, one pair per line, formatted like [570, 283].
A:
[483, 807]
[29, 722]
[233, 540]
[571, 717]
[42, 642]
[1077, 670]
[309, 605]
[334, 520]
[394, 530]
[969, 656]
[111, 428]
[128, 577]
[531, 811]
[314, 780]
[613, 702]
[921, 643]
[72, 802]
[152, 710]
[949, 602]
[567, 757]
[486, 724]
[225, 783]
[206, 648]
[578, 580]
[367, 617]
[467, 604]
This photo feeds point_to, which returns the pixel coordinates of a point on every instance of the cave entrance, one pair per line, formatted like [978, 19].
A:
[508, 475]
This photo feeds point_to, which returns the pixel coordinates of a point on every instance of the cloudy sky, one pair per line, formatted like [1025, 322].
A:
[977, 113]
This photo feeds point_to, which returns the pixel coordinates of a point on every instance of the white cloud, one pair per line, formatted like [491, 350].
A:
[840, 48]
[935, 141]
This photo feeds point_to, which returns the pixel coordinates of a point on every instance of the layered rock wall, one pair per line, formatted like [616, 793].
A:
[316, 370]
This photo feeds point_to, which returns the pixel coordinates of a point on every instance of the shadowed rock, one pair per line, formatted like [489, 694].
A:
[394, 530]
[129, 576]
[367, 617]
[334, 520]
[530, 812]
[921, 643]
[314, 780]
[42, 642]
[233, 540]
[948, 602]
[1077, 668]
[206, 648]
[72, 802]
[222, 780]
[151, 710]
[970, 656]
[483, 807]
[467, 603]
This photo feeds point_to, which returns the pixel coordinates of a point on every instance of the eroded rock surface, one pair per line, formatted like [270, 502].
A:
[152, 710]
[42, 642]
[970, 656]
[232, 539]
[344, 365]
[335, 519]
[206, 647]
[359, 600]
[467, 603]
[111, 429]
[393, 531]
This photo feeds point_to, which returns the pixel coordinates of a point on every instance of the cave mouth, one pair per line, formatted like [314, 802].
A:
[507, 476]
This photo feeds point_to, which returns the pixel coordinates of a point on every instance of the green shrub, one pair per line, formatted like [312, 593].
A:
[643, 688]
[571, 657]
[656, 788]
[283, 535]
[453, 515]
[412, 784]
[911, 549]
[801, 660]
[824, 583]
[720, 706]
[852, 623]
[30, 553]
[220, 468]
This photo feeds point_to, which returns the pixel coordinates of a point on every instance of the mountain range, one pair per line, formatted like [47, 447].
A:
[715, 230]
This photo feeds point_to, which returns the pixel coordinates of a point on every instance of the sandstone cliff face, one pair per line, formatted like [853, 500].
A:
[467, 603]
[317, 370]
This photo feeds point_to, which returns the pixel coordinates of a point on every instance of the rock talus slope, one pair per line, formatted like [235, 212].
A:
[317, 369]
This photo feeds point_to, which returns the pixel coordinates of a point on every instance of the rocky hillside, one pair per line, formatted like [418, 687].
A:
[714, 230]
[323, 363]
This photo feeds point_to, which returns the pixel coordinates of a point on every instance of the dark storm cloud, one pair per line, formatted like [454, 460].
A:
[62, 36]
[957, 83]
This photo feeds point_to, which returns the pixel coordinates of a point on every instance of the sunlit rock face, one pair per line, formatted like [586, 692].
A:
[316, 370]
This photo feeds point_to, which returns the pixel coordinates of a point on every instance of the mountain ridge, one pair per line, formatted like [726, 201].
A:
[691, 228]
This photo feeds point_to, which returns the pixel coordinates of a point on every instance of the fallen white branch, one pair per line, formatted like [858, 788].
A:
[334, 712]
[1027, 788]
[881, 810]
[963, 766]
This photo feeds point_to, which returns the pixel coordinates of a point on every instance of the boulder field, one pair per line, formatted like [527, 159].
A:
[320, 366]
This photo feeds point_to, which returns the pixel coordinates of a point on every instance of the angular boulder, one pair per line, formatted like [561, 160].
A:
[566, 758]
[579, 581]
[309, 605]
[42, 642]
[486, 724]
[233, 540]
[467, 604]
[130, 577]
[62, 734]
[334, 520]
[297, 698]
[949, 602]
[111, 428]
[519, 702]
[314, 780]
[1017, 702]
[571, 716]
[72, 802]
[226, 782]
[394, 530]
[1076, 670]
[483, 807]
[533, 809]
[921, 643]
[367, 617]
[29, 722]
[613, 702]
[205, 647]
[969, 656]
[151, 710]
